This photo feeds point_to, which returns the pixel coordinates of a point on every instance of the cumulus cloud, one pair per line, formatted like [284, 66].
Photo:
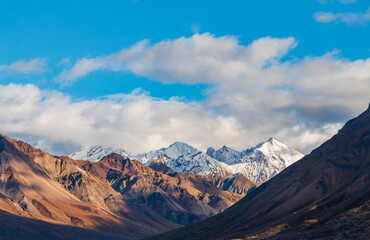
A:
[35, 65]
[348, 18]
[254, 93]
[135, 121]
[202, 58]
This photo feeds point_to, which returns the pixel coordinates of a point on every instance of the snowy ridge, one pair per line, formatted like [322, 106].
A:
[225, 154]
[199, 163]
[174, 151]
[266, 160]
[258, 164]
[97, 152]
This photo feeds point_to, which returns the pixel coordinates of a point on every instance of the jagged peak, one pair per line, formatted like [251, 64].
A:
[274, 141]
[224, 147]
[178, 149]
[179, 144]
[210, 150]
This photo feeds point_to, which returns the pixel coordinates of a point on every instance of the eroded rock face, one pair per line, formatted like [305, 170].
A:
[114, 194]
[180, 198]
[328, 188]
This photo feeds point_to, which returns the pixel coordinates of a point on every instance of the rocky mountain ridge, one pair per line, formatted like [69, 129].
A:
[258, 164]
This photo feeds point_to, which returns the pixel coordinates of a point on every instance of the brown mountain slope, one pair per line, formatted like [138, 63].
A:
[29, 187]
[329, 186]
[238, 184]
[113, 195]
[180, 198]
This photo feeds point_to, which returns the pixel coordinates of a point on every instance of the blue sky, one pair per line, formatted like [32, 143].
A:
[74, 29]
[58, 34]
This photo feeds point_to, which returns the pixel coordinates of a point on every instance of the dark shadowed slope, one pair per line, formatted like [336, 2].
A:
[325, 194]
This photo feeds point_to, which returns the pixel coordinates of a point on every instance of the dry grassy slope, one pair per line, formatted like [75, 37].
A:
[330, 181]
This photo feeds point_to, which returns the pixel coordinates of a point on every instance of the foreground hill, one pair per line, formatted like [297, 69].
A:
[115, 194]
[326, 194]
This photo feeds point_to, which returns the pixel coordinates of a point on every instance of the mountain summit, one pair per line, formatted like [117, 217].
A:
[267, 159]
[260, 163]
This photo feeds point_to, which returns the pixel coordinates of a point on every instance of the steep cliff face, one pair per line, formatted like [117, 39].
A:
[326, 190]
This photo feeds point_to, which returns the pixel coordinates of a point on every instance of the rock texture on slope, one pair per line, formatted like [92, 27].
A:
[323, 196]
[115, 194]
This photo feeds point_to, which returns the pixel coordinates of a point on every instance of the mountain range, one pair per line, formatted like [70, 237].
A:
[123, 193]
[113, 195]
[258, 164]
[325, 195]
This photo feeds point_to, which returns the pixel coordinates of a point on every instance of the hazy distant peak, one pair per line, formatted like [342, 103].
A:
[96, 152]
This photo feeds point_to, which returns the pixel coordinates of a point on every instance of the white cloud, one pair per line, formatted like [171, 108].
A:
[254, 95]
[348, 18]
[35, 65]
[135, 121]
[202, 58]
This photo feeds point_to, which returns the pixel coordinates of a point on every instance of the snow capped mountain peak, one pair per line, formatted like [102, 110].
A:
[273, 141]
[259, 164]
[97, 152]
[268, 159]
[178, 149]
[175, 150]
[275, 148]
